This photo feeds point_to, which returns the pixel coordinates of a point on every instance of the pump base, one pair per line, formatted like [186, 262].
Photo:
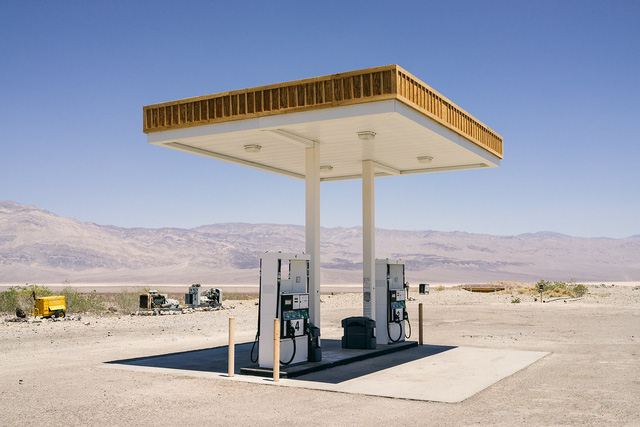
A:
[335, 356]
[315, 354]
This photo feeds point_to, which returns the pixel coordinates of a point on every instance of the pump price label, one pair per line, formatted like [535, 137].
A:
[304, 301]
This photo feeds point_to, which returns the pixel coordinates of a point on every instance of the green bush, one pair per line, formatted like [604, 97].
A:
[561, 289]
[515, 300]
[78, 303]
[545, 286]
[9, 300]
[21, 297]
[580, 290]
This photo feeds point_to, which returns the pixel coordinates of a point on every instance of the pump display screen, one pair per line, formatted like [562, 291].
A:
[294, 306]
[397, 295]
[287, 302]
[294, 301]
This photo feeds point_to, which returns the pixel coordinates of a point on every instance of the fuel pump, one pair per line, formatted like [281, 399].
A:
[391, 310]
[294, 319]
[284, 294]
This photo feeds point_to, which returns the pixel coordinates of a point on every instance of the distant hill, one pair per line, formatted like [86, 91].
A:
[39, 246]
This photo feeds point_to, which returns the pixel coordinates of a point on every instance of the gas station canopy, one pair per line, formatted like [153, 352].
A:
[382, 114]
[356, 125]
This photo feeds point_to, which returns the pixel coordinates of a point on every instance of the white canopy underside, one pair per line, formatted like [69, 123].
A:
[402, 135]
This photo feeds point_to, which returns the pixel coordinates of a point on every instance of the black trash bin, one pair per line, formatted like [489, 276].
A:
[359, 332]
[424, 288]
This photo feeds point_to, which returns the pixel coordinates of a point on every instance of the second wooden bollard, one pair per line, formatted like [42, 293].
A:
[420, 328]
[232, 346]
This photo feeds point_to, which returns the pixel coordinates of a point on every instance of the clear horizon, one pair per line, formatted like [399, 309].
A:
[558, 80]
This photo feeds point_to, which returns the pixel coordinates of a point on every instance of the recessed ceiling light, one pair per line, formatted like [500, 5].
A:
[326, 168]
[425, 159]
[252, 148]
[366, 135]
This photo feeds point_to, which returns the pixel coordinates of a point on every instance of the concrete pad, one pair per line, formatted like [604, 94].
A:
[431, 373]
[450, 376]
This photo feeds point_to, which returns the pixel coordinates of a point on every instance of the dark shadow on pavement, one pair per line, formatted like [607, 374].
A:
[339, 364]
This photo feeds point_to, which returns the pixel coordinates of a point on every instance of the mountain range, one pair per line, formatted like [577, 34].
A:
[37, 246]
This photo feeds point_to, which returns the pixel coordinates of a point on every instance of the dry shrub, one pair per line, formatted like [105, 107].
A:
[239, 296]
[21, 297]
[82, 303]
[126, 301]
[580, 290]
[509, 284]
[560, 289]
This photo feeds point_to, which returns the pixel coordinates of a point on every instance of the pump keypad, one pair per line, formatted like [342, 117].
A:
[397, 305]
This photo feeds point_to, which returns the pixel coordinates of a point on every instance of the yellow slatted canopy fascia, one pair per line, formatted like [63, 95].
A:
[336, 90]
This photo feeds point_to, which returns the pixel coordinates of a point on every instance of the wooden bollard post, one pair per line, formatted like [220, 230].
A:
[232, 346]
[276, 350]
[420, 327]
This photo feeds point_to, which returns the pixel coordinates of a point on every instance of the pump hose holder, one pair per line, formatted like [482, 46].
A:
[389, 331]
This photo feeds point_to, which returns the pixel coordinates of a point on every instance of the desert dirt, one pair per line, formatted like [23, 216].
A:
[55, 371]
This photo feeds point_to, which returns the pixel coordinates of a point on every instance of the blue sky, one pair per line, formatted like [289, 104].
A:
[559, 80]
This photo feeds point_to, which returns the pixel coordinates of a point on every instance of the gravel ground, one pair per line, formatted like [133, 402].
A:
[54, 370]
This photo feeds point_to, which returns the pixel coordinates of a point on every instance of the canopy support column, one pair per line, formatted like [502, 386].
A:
[312, 228]
[368, 240]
